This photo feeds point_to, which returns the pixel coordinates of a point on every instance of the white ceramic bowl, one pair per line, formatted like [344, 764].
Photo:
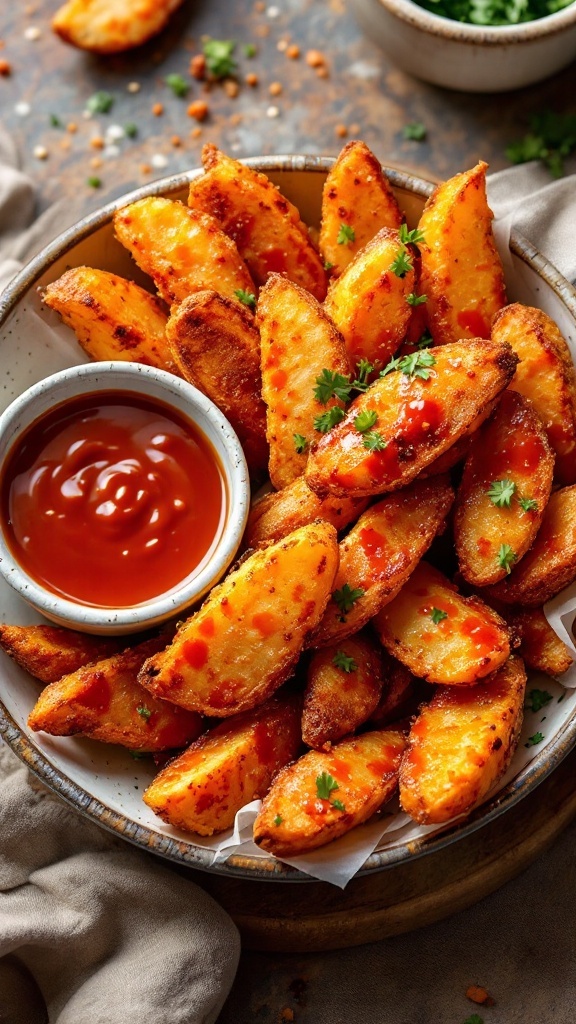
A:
[471, 58]
[188, 402]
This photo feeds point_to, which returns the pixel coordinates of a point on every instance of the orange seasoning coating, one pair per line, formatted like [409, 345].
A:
[112, 499]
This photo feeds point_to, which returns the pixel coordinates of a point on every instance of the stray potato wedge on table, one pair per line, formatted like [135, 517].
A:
[343, 688]
[461, 271]
[505, 487]
[439, 635]
[202, 789]
[325, 794]
[107, 26]
[461, 744]
[247, 637]
[266, 227]
[276, 514]
[420, 406]
[540, 647]
[50, 652]
[357, 201]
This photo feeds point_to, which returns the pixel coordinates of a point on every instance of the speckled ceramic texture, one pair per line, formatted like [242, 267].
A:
[103, 782]
[471, 58]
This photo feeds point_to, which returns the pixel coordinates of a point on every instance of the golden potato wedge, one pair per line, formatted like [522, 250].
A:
[369, 301]
[105, 702]
[216, 347]
[357, 194]
[111, 317]
[183, 250]
[343, 688]
[298, 341]
[540, 647]
[245, 640]
[202, 789]
[545, 375]
[416, 419]
[504, 491]
[462, 273]
[106, 26]
[550, 565]
[265, 226]
[461, 744]
[278, 513]
[325, 794]
[399, 690]
[379, 553]
[50, 652]
[439, 635]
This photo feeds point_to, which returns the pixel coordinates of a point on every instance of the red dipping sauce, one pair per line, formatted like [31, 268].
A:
[112, 499]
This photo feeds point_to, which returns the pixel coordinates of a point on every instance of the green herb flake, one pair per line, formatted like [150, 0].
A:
[552, 136]
[100, 102]
[415, 131]
[332, 385]
[328, 419]
[219, 59]
[346, 235]
[338, 805]
[325, 784]
[138, 755]
[437, 615]
[94, 182]
[55, 121]
[343, 661]
[418, 364]
[345, 598]
[363, 370]
[401, 264]
[300, 443]
[130, 130]
[374, 441]
[144, 712]
[506, 557]
[249, 50]
[501, 492]
[394, 364]
[425, 341]
[328, 266]
[366, 420]
[410, 237]
[246, 298]
[528, 504]
[278, 820]
[538, 699]
[178, 85]
[416, 300]
[474, 1019]
[532, 741]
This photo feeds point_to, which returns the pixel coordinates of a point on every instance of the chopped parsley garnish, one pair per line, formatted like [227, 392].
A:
[100, 102]
[338, 805]
[346, 234]
[363, 370]
[328, 419]
[538, 699]
[144, 712]
[414, 130]
[374, 441]
[366, 420]
[131, 130]
[410, 237]
[425, 341]
[250, 50]
[437, 615]
[394, 364]
[501, 492]
[328, 265]
[494, 12]
[401, 264]
[138, 755]
[219, 59]
[178, 85]
[55, 121]
[332, 385]
[246, 298]
[300, 443]
[325, 784]
[532, 741]
[552, 136]
[415, 300]
[474, 1019]
[344, 661]
[94, 182]
[506, 557]
[278, 820]
[528, 504]
[417, 364]
[346, 598]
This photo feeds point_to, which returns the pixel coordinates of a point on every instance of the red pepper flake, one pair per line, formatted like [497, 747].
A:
[252, 79]
[275, 88]
[479, 995]
[231, 88]
[196, 133]
[293, 51]
[199, 110]
[5, 68]
[315, 59]
[198, 66]
[176, 141]
[157, 109]
[341, 131]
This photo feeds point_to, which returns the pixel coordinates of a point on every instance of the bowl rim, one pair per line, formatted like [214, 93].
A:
[410, 12]
[184, 852]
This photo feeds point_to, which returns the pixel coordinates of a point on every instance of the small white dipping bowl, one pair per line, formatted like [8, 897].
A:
[471, 58]
[187, 402]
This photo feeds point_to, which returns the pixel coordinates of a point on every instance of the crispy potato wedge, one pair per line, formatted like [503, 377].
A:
[550, 565]
[50, 652]
[461, 273]
[540, 647]
[379, 553]
[461, 744]
[357, 194]
[417, 420]
[546, 376]
[399, 689]
[298, 341]
[202, 789]
[343, 688]
[368, 302]
[295, 818]
[265, 226]
[463, 646]
[509, 462]
[111, 317]
[245, 640]
[105, 26]
[105, 702]
[278, 513]
[216, 347]
[183, 250]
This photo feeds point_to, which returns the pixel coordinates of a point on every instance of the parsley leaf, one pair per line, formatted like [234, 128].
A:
[144, 712]
[401, 264]
[551, 137]
[474, 1019]
[278, 820]
[538, 699]
[328, 419]
[506, 557]
[425, 341]
[138, 755]
[219, 59]
[343, 661]
[363, 370]
[532, 741]
[247, 298]
[178, 85]
[100, 102]
[325, 785]
[94, 182]
[346, 234]
[131, 130]
[410, 237]
[328, 266]
[394, 364]
[300, 443]
[332, 385]
[338, 805]
[415, 131]
[366, 420]
[417, 364]
[501, 492]
[346, 598]
[374, 441]
[437, 615]
[250, 50]
[55, 121]
[528, 504]
[415, 300]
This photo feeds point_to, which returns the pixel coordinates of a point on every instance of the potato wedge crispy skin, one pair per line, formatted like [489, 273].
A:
[216, 347]
[461, 272]
[540, 647]
[417, 419]
[550, 565]
[102, 700]
[546, 376]
[277, 514]
[399, 688]
[511, 446]
[461, 744]
[111, 317]
[202, 789]
[297, 341]
[381, 550]
[106, 26]
[50, 652]
[470, 642]
[337, 701]
[267, 229]
[294, 819]
[245, 640]
[183, 250]
[358, 194]
[368, 302]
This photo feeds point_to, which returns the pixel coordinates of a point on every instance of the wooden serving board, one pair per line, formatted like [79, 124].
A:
[316, 916]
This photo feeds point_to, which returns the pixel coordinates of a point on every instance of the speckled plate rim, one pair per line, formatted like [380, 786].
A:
[481, 35]
[186, 853]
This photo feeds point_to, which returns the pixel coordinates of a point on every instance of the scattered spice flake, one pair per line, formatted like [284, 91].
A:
[197, 67]
[22, 109]
[175, 141]
[346, 234]
[100, 102]
[96, 163]
[293, 51]
[250, 50]
[278, 820]
[287, 1014]
[231, 88]
[415, 131]
[130, 130]
[477, 994]
[273, 112]
[196, 133]
[144, 712]
[273, 12]
[32, 33]
[178, 85]
[315, 58]
[159, 161]
[282, 45]
[5, 68]
[97, 142]
[157, 109]
[145, 169]
[262, 31]
[55, 121]
[198, 110]
[40, 152]
[322, 72]
[275, 88]
[94, 182]
[252, 79]
[341, 131]
[133, 87]
[72, 127]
